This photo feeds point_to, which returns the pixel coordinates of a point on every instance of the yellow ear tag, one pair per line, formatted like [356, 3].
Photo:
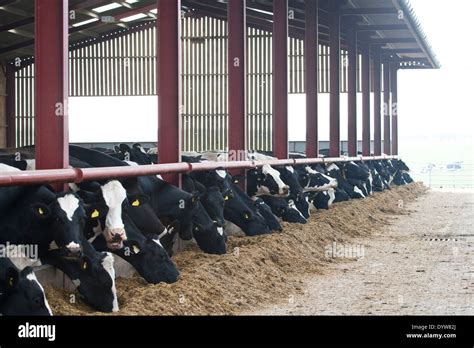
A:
[95, 214]
[226, 198]
[84, 265]
[135, 203]
[40, 211]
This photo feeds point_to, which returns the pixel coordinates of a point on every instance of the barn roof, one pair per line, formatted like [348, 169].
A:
[390, 25]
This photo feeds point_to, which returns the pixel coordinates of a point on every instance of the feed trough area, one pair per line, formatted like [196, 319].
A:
[216, 158]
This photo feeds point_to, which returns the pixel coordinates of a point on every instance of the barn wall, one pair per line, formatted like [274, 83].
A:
[3, 108]
[126, 66]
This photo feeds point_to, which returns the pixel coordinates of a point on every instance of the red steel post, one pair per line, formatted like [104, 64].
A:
[377, 105]
[280, 78]
[366, 99]
[237, 75]
[51, 84]
[311, 49]
[386, 109]
[334, 78]
[10, 104]
[169, 83]
[394, 85]
[352, 94]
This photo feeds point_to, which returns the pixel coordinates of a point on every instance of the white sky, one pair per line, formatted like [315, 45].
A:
[432, 103]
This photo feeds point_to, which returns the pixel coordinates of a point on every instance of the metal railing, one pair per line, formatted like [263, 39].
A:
[78, 175]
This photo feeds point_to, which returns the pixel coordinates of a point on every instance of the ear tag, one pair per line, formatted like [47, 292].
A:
[136, 249]
[226, 198]
[136, 203]
[95, 214]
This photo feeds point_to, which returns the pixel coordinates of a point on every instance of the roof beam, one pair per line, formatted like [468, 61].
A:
[381, 27]
[17, 24]
[386, 40]
[367, 11]
[400, 50]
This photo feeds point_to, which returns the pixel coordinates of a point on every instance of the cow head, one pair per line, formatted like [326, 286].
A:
[149, 258]
[268, 215]
[109, 204]
[64, 218]
[93, 274]
[20, 291]
[270, 183]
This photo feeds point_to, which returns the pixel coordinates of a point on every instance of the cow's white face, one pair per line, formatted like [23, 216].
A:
[275, 174]
[69, 204]
[114, 195]
[221, 173]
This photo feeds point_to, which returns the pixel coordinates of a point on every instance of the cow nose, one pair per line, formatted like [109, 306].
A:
[73, 252]
[115, 237]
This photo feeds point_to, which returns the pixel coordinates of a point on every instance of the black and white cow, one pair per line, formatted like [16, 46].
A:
[20, 291]
[352, 191]
[54, 222]
[208, 233]
[296, 197]
[143, 251]
[267, 213]
[283, 209]
[266, 181]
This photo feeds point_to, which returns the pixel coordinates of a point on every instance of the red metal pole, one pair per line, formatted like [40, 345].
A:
[237, 75]
[311, 50]
[386, 109]
[280, 78]
[352, 94]
[51, 84]
[377, 105]
[366, 99]
[334, 78]
[394, 83]
[78, 175]
[10, 104]
[169, 83]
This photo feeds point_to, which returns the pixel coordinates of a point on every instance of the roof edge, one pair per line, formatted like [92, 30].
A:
[415, 27]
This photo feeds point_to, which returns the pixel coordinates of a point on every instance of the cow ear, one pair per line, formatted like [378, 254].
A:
[138, 200]
[41, 210]
[96, 211]
[12, 277]
[87, 196]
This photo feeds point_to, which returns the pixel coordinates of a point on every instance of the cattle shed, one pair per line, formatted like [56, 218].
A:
[221, 69]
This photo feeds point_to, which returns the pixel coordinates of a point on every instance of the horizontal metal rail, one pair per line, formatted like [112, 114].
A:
[77, 175]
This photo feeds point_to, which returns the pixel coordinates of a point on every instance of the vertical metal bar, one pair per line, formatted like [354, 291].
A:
[311, 58]
[366, 99]
[386, 109]
[280, 78]
[10, 105]
[394, 90]
[377, 106]
[169, 81]
[237, 43]
[352, 94]
[51, 84]
[334, 98]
